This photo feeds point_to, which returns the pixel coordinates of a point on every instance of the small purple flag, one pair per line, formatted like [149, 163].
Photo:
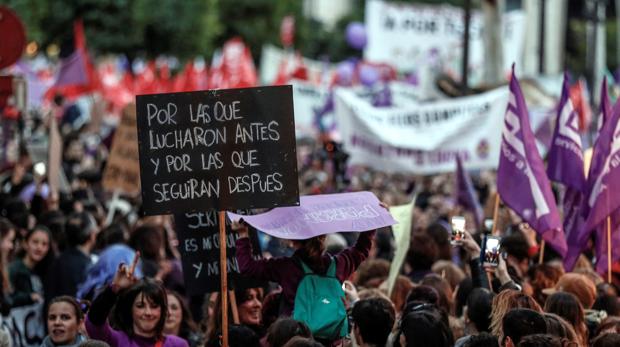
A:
[322, 214]
[466, 194]
[605, 107]
[72, 70]
[521, 179]
[565, 159]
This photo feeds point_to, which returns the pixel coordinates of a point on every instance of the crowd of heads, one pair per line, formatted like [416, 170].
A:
[62, 249]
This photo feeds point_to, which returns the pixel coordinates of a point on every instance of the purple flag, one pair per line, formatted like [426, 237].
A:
[322, 214]
[72, 71]
[605, 107]
[578, 235]
[602, 199]
[466, 194]
[521, 179]
[565, 159]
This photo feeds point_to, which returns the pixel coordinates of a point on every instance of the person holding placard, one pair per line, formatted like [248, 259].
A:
[309, 258]
[140, 311]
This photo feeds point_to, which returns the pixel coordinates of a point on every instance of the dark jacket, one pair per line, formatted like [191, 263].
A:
[67, 272]
[287, 272]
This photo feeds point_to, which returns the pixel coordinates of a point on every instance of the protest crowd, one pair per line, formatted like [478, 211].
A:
[473, 258]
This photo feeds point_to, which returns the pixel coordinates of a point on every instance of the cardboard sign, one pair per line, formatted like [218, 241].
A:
[220, 149]
[122, 171]
[199, 245]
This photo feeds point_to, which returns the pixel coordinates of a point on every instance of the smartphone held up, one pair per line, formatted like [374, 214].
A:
[491, 250]
[458, 230]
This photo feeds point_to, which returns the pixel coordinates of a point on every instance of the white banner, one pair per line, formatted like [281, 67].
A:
[428, 39]
[307, 100]
[26, 325]
[423, 138]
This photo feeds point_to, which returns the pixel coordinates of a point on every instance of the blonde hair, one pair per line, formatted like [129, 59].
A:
[505, 301]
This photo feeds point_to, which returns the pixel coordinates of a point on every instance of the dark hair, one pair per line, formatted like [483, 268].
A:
[79, 228]
[462, 293]
[540, 340]
[372, 272]
[479, 306]
[442, 286]
[77, 307]
[375, 319]
[608, 303]
[238, 336]
[299, 341]
[188, 325]
[148, 239]
[609, 323]
[313, 248]
[516, 245]
[5, 228]
[151, 290]
[423, 294]
[284, 329]
[426, 326]
[558, 326]
[423, 252]
[93, 343]
[567, 306]
[521, 322]
[607, 340]
[482, 340]
[42, 266]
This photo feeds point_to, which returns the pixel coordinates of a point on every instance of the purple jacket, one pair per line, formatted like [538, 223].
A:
[98, 328]
[286, 270]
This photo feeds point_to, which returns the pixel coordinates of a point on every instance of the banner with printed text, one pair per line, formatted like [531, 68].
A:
[427, 39]
[422, 138]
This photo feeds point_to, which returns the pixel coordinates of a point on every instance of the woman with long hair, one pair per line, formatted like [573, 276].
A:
[139, 313]
[249, 310]
[179, 321]
[505, 301]
[567, 306]
[24, 272]
[7, 238]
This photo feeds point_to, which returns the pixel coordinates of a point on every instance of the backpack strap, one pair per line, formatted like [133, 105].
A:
[306, 269]
[331, 270]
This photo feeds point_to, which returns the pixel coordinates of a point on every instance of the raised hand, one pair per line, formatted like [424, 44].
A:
[124, 277]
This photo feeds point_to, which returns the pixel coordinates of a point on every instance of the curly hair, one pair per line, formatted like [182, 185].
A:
[506, 301]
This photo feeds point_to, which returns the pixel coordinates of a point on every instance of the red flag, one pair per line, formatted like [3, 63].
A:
[581, 105]
[234, 68]
[77, 75]
[287, 31]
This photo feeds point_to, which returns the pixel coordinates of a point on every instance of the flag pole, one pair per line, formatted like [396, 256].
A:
[223, 278]
[608, 249]
[495, 213]
[541, 254]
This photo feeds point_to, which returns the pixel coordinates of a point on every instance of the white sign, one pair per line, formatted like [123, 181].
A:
[428, 39]
[423, 138]
[308, 99]
[26, 325]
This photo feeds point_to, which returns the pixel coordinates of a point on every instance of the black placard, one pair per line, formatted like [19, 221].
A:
[199, 245]
[221, 149]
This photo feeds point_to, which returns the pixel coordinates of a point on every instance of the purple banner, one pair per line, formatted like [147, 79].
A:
[521, 179]
[322, 214]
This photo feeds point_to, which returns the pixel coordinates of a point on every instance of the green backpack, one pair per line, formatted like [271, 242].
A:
[319, 303]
